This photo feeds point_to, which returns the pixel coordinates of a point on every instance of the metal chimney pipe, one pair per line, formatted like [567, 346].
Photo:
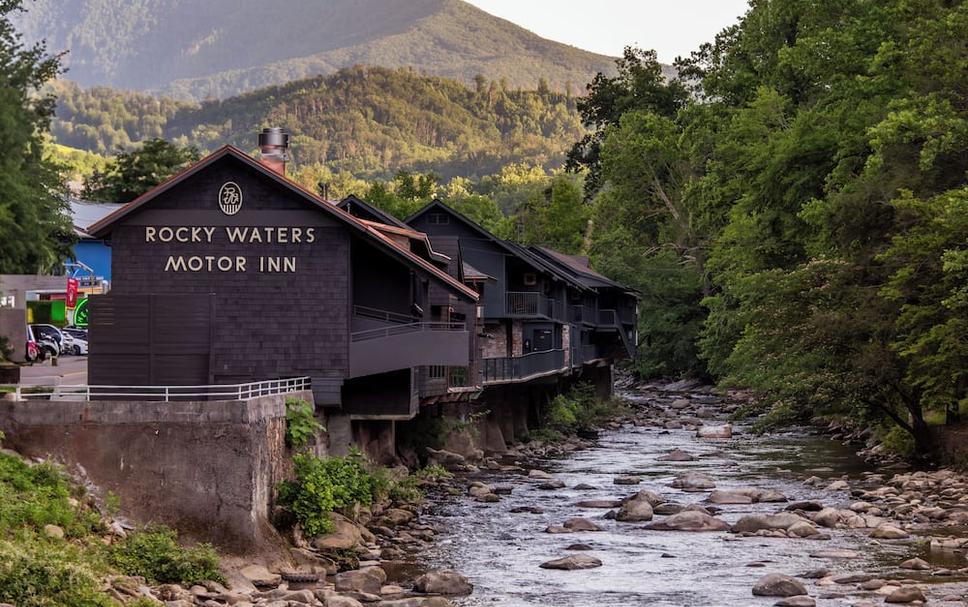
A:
[274, 149]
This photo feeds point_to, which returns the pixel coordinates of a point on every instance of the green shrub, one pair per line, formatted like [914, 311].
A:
[322, 485]
[36, 572]
[301, 423]
[898, 441]
[433, 473]
[37, 495]
[156, 555]
[406, 490]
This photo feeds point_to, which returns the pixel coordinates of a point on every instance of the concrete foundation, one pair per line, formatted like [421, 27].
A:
[208, 469]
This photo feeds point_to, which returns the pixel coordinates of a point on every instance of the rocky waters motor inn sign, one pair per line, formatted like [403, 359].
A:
[230, 202]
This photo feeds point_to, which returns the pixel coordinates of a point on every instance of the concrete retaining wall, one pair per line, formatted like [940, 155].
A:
[208, 469]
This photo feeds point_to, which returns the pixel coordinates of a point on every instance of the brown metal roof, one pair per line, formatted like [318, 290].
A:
[102, 227]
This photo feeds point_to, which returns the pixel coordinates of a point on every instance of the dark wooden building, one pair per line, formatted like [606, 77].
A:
[231, 273]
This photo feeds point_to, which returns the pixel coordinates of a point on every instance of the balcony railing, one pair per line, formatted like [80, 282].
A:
[530, 304]
[403, 329]
[382, 315]
[523, 367]
[607, 317]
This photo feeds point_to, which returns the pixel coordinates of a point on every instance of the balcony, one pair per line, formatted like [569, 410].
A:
[531, 304]
[519, 368]
[607, 318]
[400, 345]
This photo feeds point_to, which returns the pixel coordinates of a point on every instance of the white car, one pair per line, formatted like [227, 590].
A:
[75, 341]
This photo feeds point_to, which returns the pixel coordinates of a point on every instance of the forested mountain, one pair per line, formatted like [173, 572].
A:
[216, 48]
[369, 121]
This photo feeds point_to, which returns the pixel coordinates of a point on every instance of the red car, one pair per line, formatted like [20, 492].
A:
[33, 350]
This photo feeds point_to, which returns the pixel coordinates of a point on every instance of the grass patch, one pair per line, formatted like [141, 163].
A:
[156, 555]
[41, 570]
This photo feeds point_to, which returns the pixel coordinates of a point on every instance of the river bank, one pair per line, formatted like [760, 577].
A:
[867, 537]
[668, 504]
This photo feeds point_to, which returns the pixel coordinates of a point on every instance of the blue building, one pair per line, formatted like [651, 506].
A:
[90, 251]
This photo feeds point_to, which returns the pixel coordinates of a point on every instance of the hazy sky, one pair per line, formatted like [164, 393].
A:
[671, 27]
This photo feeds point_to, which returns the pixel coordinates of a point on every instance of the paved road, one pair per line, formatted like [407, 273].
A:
[70, 371]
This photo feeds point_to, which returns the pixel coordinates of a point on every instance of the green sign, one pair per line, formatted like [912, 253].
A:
[80, 313]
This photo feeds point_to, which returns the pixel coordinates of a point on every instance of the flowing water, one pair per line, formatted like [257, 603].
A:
[500, 551]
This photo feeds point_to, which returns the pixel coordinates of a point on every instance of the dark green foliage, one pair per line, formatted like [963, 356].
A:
[579, 409]
[134, 173]
[369, 121]
[323, 485]
[156, 555]
[35, 232]
[301, 424]
[801, 221]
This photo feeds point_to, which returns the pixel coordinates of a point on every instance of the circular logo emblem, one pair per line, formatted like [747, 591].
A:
[230, 198]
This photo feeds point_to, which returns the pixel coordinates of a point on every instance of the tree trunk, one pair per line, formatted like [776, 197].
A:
[924, 444]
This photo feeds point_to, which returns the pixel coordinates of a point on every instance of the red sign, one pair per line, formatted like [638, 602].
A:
[71, 293]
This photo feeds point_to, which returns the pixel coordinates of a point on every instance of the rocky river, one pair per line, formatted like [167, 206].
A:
[796, 504]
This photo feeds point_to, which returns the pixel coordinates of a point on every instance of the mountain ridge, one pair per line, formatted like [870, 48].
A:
[188, 49]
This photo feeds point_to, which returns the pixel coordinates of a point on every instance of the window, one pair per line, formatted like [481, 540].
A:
[530, 279]
[438, 219]
[436, 372]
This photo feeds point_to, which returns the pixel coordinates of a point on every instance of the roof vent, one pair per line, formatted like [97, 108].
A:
[274, 149]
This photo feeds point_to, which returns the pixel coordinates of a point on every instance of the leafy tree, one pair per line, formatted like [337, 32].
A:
[134, 173]
[35, 232]
[639, 85]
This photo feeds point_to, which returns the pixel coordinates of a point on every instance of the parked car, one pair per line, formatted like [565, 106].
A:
[80, 339]
[49, 338]
[78, 345]
[33, 352]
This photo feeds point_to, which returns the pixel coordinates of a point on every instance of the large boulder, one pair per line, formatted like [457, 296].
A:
[729, 497]
[889, 532]
[689, 520]
[447, 459]
[443, 582]
[259, 576]
[634, 511]
[571, 563]
[367, 579]
[905, 594]
[777, 584]
[654, 499]
[580, 524]
[346, 534]
[751, 523]
[694, 481]
[676, 455]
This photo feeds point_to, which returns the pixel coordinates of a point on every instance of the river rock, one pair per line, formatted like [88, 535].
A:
[666, 508]
[346, 534]
[888, 532]
[580, 524]
[551, 485]
[689, 520]
[603, 504]
[796, 601]
[835, 554]
[806, 506]
[627, 480]
[538, 474]
[654, 499]
[447, 459]
[915, 564]
[751, 523]
[694, 481]
[259, 576]
[729, 497]
[578, 547]
[906, 594]
[341, 601]
[802, 529]
[634, 511]
[369, 580]
[443, 582]
[777, 584]
[676, 455]
[573, 562]
[770, 496]
[724, 431]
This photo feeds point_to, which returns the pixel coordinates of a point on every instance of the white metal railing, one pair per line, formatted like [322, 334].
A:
[414, 327]
[165, 393]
